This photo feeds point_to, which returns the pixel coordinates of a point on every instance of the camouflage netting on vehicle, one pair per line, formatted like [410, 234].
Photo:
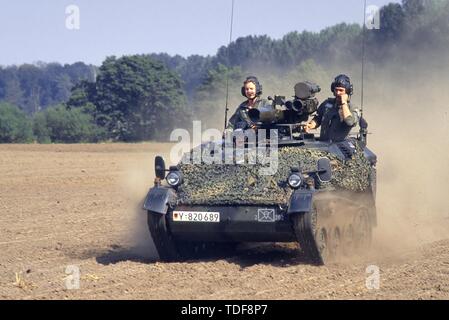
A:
[219, 184]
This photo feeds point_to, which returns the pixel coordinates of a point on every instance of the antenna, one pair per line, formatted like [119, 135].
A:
[227, 72]
[362, 122]
[363, 60]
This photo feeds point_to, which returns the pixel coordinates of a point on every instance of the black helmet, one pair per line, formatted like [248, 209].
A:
[343, 81]
[254, 80]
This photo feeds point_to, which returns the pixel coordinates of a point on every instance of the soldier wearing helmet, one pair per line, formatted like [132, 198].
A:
[251, 90]
[336, 116]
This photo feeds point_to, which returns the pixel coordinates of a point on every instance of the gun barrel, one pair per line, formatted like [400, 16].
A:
[266, 115]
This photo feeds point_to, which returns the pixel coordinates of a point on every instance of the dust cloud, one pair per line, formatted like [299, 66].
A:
[406, 108]
[407, 114]
[406, 105]
[137, 179]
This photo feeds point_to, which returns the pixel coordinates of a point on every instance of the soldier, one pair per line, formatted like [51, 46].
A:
[336, 116]
[252, 90]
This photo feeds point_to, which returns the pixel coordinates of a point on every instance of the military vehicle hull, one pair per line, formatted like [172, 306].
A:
[334, 226]
[327, 222]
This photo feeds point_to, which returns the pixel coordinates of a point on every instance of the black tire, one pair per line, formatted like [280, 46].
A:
[162, 238]
[364, 230]
[348, 245]
[310, 237]
[336, 244]
[325, 235]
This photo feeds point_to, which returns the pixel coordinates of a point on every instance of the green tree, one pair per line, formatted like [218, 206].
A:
[15, 127]
[10, 88]
[34, 87]
[61, 125]
[40, 128]
[138, 98]
[414, 8]
[82, 94]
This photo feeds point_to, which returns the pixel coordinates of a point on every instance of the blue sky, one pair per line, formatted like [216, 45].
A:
[33, 31]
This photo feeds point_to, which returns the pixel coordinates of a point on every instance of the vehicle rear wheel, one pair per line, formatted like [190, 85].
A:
[336, 244]
[348, 240]
[334, 227]
[363, 227]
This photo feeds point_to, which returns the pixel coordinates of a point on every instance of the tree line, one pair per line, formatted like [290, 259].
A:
[143, 97]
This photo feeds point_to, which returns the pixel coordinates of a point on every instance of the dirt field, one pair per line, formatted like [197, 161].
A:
[76, 206]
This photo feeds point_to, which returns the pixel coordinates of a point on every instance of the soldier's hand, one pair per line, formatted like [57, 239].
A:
[309, 126]
[343, 99]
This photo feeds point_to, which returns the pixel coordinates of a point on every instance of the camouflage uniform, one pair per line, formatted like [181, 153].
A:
[332, 128]
[240, 118]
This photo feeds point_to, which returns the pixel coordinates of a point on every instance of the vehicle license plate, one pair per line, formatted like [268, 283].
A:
[190, 216]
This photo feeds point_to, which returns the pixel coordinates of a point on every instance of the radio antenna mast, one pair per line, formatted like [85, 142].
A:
[363, 60]
[362, 122]
[227, 71]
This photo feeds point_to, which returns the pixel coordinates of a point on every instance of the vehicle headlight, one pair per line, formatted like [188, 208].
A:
[174, 179]
[294, 180]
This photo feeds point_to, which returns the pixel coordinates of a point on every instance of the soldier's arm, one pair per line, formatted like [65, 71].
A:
[316, 121]
[349, 115]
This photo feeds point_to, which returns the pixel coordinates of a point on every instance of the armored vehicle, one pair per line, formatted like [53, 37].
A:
[318, 193]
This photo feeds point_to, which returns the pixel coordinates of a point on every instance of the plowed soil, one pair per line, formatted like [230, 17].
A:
[68, 207]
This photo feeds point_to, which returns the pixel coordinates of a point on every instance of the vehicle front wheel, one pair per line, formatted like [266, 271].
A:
[162, 238]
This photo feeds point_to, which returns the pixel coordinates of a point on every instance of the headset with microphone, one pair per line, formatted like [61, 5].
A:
[343, 81]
